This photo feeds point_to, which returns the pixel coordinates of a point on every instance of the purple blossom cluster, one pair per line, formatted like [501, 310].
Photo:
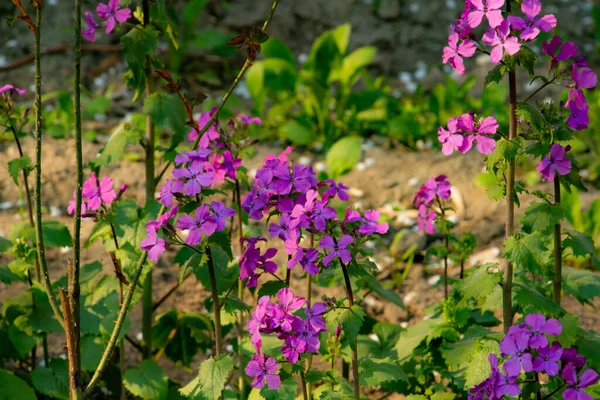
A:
[465, 130]
[96, 193]
[111, 13]
[298, 335]
[437, 188]
[556, 162]
[507, 36]
[527, 349]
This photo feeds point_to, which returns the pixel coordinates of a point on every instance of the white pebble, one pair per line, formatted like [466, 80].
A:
[434, 280]
[320, 166]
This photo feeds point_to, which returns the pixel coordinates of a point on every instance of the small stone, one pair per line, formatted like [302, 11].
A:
[354, 192]
[434, 280]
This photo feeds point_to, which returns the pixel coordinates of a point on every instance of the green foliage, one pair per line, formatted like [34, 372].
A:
[149, 381]
[584, 285]
[343, 155]
[287, 391]
[17, 165]
[14, 388]
[53, 380]
[582, 245]
[55, 233]
[527, 251]
[374, 372]
[137, 44]
[350, 319]
[542, 216]
[211, 379]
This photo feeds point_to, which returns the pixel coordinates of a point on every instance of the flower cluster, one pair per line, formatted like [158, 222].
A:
[299, 335]
[434, 189]
[465, 130]
[527, 349]
[96, 193]
[557, 162]
[111, 13]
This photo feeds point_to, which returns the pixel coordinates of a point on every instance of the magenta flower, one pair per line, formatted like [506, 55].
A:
[491, 9]
[168, 191]
[425, 219]
[531, 26]
[163, 219]
[220, 213]
[583, 78]
[575, 390]
[506, 385]
[292, 348]
[438, 187]
[254, 204]
[307, 334]
[454, 52]
[196, 179]
[89, 34]
[154, 245]
[201, 223]
[501, 40]
[570, 356]
[286, 229]
[289, 301]
[516, 347]
[578, 118]
[548, 360]
[249, 119]
[230, 164]
[557, 161]
[567, 51]
[10, 89]
[339, 190]
[488, 126]
[112, 14]
[338, 249]
[73, 203]
[461, 28]
[211, 134]
[321, 214]
[194, 157]
[372, 225]
[315, 316]
[306, 258]
[263, 368]
[539, 326]
[98, 193]
[451, 139]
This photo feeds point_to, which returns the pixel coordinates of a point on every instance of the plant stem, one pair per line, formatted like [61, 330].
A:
[215, 298]
[557, 281]
[122, 367]
[539, 89]
[304, 384]
[170, 292]
[39, 236]
[507, 311]
[72, 337]
[462, 269]
[147, 303]
[355, 350]
[240, 321]
[446, 268]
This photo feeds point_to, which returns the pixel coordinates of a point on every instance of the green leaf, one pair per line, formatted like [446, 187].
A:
[478, 368]
[531, 115]
[55, 233]
[479, 282]
[443, 396]
[374, 372]
[221, 240]
[114, 149]
[22, 336]
[355, 62]
[52, 381]
[297, 133]
[5, 244]
[527, 59]
[14, 388]
[505, 151]
[138, 43]
[413, 336]
[588, 344]
[91, 352]
[211, 379]
[149, 381]
[275, 48]
[570, 330]
[541, 216]
[386, 294]
[533, 301]
[270, 288]
[7, 277]
[582, 284]
[581, 245]
[166, 111]
[494, 76]
[17, 165]
[343, 156]
[527, 251]
[287, 391]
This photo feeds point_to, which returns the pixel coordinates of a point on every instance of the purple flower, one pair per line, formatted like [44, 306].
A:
[339, 190]
[211, 134]
[11, 89]
[306, 258]
[486, 389]
[501, 40]
[454, 52]
[164, 218]
[438, 187]
[261, 368]
[488, 126]
[169, 189]
[315, 316]
[548, 360]
[307, 334]
[249, 119]
[570, 356]
[371, 224]
[516, 346]
[556, 162]
[154, 245]
[286, 229]
[461, 28]
[297, 180]
[112, 14]
[215, 167]
[89, 34]
[254, 204]
[425, 219]
[451, 139]
[289, 301]
[98, 192]
[531, 27]
[220, 213]
[568, 50]
[539, 326]
[583, 78]
[575, 390]
[73, 203]
[230, 164]
[578, 118]
[491, 9]
[506, 385]
[196, 179]
[201, 223]
[292, 348]
[195, 156]
[338, 249]
[321, 214]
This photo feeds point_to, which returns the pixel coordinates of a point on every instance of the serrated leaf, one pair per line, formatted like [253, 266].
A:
[478, 368]
[581, 245]
[211, 379]
[149, 381]
[15, 166]
[582, 284]
[533, 301]
[287, 391]
[270, 288]
[138, 43]
[52, 381]
[413, 336]
[166, 111]
[570, 330]
[114, 149]
[343, 156]
[373, 372]
[541, 216]
[351, 321]
[531, 115]
[5, 244]
[22, 337]
[14, 388]
[527, 59]
[479, 282]
[55, 233]
[528, 252]
[506, 150]
[588, 344]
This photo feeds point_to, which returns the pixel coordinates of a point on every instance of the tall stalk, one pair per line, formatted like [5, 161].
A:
[557, 281]
[240, 321]
[216, 303]
[446, 267]
[147, 304]
[73, 327]
[39, 236]
[355, 382]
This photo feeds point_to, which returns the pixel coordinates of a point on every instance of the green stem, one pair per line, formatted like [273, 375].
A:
[507, 311]
[39, 237]
[147, 303]
[446, 268]
[240, 321]
[539, 89]
[215, 298]
[355, 382]
[557, 281]
[304, 385]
